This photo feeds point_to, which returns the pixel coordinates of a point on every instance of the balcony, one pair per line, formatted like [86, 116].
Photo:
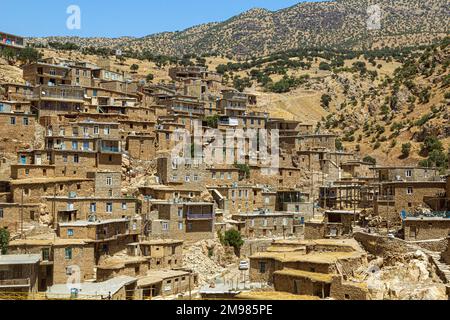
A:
[57, 93]
[386, 198]
[199, 216]
[9, 283]
[109, 149]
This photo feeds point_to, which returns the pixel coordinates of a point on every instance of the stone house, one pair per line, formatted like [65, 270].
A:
[61, 259]
[19, 273]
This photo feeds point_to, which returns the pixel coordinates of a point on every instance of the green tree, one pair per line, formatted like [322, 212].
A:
[134, 67]
[9, 55]
[4, 241]
[150, 77]
[325, 101]
[233, 238]
[212, 121]
[406, 150]
[371, 160]
[29, 55]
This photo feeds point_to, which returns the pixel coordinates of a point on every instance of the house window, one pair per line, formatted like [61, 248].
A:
[25, 121]
[187, 178]
[65, 157]
[124, 206]
[106, 131]
[45, 254]
[109, 207]
[76, 158]
[214, 175]
[262, 267]
[195, 177]
[69, 271]
[229, 176]
[165, 226]
[70, 232]
[96, 130]
[410, 191]
[13, 120]
[409, 173]
[109, 181]
[1, 213]
[180, 212]
[93, 207]
[68, 253]
[180, 225]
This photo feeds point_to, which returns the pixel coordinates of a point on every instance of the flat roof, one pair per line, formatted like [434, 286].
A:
[92, 289]
[47, 180]
[13, 259]
[273, 295]
[157, 242]
[48, 242]
[84, 223]
[320, 258]
[315, 276]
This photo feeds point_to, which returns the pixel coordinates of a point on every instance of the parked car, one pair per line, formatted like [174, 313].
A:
[243, 265]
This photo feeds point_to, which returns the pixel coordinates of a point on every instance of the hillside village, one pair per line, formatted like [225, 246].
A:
[92, 195]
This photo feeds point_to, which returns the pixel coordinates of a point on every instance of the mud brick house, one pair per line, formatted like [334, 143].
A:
[440, 202]
[287, 127]
[77, 147]
[166, 283]
[233, 103]
[426, 227]
[61, 259]
[73, 207]
[109, 236]
[41, 73]
[313, 268]
[189, 221]
[318, 140]
[19, 273]
[405, 173]
[263, 223]
[11, 41]
[14, 215]
[395, 197]
[161, 254]
[20, 125]
[62, 99]
[34, 190]
[336, 224]
[17, 91]
[155, 255]
[181, 73]
[236, 197]
[141, 147]
[181, 104]
[293, 200]
[357, 169]
[178, 192]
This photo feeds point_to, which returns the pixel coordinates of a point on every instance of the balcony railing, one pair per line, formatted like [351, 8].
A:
[386, 198]
[110, 149]
[200, 216]
[15, 283]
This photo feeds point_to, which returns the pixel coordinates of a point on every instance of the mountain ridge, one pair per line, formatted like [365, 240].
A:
[258, 31]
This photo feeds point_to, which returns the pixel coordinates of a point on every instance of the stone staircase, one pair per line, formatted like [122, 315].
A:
[443, 269]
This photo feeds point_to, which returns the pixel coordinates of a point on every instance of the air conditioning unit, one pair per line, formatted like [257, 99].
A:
[72, 194]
